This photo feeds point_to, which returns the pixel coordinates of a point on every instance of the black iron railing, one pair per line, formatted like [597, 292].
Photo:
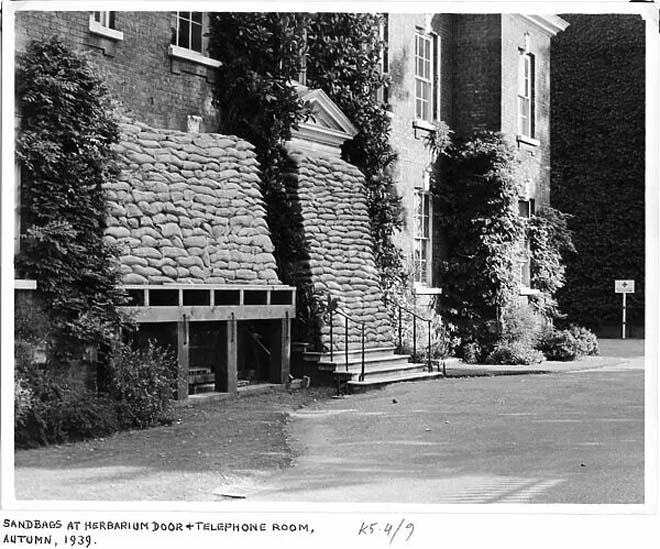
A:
[347, 319]
[415, 318]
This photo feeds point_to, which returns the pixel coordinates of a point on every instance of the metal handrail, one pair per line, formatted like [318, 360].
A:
[347, 318]
[415, 317]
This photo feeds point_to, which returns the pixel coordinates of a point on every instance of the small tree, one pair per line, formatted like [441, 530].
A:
[64, 146]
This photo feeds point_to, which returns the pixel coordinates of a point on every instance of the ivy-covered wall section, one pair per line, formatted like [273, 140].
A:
[598, 125]
[64, 146]
[263, 55]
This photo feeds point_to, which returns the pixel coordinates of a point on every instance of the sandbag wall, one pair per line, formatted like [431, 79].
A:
[187, 207]
[328, 197]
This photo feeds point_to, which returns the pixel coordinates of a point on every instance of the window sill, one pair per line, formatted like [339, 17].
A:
[420, 124]
[527, 140]
[25, 284]
[426, 290]
[189, 55]
[526, 290]
[106, 32]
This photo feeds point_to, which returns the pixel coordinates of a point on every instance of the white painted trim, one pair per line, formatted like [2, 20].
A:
[189, 55]
[551, 24]
[521, 138]
[421, 124]
[426, 290]
[96, 28]
[526, 290]
[330, 108]
[25, 284]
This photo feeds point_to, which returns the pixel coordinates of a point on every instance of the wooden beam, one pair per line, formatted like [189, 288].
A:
[183, 357]
[208, 313]
[280, 359]
[232, 355]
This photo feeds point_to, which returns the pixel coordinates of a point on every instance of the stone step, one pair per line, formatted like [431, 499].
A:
[371, 361]
[373, 382]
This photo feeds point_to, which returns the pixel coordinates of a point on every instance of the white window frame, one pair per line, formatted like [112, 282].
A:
[526, 92]
[430, 78]
[102, 26]
[188, 54]
[422, 238]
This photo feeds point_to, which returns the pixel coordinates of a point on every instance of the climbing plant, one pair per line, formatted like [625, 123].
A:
[475, 187]
[256, 95]
[64, 145]
[262, 56]
[551, 244]
[598, 162]
[344, 61]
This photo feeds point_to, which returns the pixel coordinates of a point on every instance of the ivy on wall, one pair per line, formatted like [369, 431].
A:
[475, 189]
[64, 146]
[261, 55]
[344, 52]
[597, 131]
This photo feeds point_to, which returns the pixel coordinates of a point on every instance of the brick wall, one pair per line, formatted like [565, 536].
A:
[413, 156]
[150, 86]
[536, 158]
[476, 72]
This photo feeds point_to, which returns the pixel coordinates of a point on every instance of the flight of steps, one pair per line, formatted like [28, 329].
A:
[382, 366]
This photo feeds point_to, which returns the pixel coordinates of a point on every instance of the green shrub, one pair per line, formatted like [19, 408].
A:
[521, 324]
[471, 353]
[142, 383]
[52, 409]
[587, 344]
[516, 353]
[558, 345]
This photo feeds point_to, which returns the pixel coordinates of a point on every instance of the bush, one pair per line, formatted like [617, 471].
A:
[520, 324]
[558, 345]
[517, 353]
[51, 408]
[142, 382]
[471, 352]
[587, 344]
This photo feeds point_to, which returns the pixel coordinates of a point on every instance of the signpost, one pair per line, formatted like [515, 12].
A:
[624, 287]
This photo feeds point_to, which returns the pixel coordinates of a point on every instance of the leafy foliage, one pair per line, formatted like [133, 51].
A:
[550, 243]
[515, 353]
[475, 187]
[598, 147]
[344, 61]
[64, 146]
[261, 55]
[53, 407]
[142, 384]
[256, 95]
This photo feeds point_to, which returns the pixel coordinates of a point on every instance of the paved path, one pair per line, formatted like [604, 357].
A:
[570, 437]
[561, 437]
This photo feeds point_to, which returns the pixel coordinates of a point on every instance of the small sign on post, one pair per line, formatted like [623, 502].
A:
[624, 287]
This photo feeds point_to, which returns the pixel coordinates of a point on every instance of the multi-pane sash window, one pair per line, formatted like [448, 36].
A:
[189, 30]
[526, 94]
[423, 76]
[422, 245]
[104, 18]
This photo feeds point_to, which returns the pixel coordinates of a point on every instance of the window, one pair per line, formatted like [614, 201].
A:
[103, 23]
[188, 39]
[189, 30]
[422, 244]
[104, 18]
[426, 77]
[526, 91]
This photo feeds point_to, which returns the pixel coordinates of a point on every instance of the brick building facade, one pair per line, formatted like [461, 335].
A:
[487, 72]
